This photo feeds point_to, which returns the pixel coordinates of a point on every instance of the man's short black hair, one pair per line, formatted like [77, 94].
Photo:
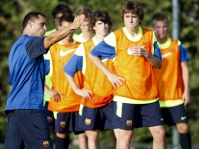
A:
[31, 16]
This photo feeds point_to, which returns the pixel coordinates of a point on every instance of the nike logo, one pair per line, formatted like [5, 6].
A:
[183, 118]
[64, 53]
[130, 52]
[166, 55]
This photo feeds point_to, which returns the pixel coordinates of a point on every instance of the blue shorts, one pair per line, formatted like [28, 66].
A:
[29, 127]
[175, 115]
[96, 118]
[49, 114]
[130, 116]
[68, 122]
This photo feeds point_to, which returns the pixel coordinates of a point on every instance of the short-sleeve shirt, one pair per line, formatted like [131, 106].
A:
[27, 71]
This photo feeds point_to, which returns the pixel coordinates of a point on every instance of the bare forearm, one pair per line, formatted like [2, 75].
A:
[72, 82]
[154, 61]
[140, 51]
[98, 63]
[56, 36]
[60, 34]
[185, 76]
[47, 89]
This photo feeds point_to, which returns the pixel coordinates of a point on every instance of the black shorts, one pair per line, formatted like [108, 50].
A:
[130, 116]
[50, 115]
[97, 118]
[175, 115]
[29, 127]
[68, 122]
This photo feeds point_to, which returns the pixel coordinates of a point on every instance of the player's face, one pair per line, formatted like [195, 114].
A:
[85, 27]
[161, 29]
[131, 21]
[101, 28]
[56, 19]
[65, 24]
[38, 26]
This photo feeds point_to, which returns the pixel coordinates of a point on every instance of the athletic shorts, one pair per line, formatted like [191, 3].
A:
[49, 114]
[29, 127]
[175, 115]
[68, 122]
[130, 116]
[96, 118]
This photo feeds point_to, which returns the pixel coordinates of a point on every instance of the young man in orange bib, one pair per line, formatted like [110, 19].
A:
[65, 102]
[173, 79]
[135, 89]
[96, 103]
[57, 13]
[86, 30]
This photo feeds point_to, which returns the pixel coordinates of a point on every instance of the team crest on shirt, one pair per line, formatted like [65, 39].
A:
[62, 124]
[87, 121]
[129, 123]
[45, 143]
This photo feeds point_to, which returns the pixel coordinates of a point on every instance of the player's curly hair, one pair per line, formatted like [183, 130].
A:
[133, 7]
[101, 15]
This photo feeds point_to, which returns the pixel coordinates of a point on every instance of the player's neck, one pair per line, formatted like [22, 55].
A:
[67, 41]
[133, 31]
[162, 40]
[87, 36]
[99, 38]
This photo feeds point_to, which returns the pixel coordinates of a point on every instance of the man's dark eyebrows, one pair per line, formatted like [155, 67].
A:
[43, 23]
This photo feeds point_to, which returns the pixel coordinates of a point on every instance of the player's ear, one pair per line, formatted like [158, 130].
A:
[30, 23]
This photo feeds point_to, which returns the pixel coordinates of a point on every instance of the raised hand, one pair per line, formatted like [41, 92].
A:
[77, 21]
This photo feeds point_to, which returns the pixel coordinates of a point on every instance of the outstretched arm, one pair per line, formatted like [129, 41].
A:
[60, 34]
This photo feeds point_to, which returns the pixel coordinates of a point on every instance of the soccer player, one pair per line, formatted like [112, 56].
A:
[86, 30]
[173, 79]
[96, 106]
[135, 89]
[27, 120]
[66, 103]
[57, 13]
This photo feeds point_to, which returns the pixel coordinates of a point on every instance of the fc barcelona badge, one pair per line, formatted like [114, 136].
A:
[129, 123]
[45, 143]
[87, 121]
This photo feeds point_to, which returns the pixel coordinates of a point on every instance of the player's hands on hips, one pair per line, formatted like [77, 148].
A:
[115, 80]
[84, 93]
[77, 21]
[56, 95]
